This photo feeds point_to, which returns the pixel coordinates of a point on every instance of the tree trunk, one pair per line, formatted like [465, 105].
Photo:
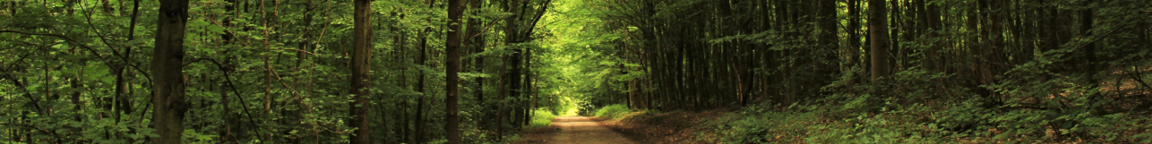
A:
[511, 76]
[853, 34]
[828, 41]
[452, 61]
[1092, 67]
[878, 26]
[420, 88]
[361, 59]
[527, 84]
[167, 73]
[476, 43]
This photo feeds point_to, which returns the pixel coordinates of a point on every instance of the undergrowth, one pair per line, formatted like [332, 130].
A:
[612, 111]
[541, 117]
[916, 110]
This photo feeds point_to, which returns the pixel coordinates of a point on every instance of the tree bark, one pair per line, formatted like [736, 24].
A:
[362, 45]
[167, 74]
[853, 33]
[878, 26]
[452, 61]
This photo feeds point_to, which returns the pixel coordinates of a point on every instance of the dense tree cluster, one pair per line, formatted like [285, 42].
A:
[262, 71]
[1035, 65]
[417, 71]
[701, 54]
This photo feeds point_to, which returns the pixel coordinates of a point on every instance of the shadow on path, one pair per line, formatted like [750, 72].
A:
[585, 130]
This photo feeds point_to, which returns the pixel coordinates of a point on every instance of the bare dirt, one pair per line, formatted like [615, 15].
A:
[578, 130]
[671, 127]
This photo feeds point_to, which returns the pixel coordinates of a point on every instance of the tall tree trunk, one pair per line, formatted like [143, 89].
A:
[829, 43]
[878, 26]
[420, 87]
[167, 73]
[402, 105]
[527, 85]
[452, 61]
[853, 34]
[226, 134]
[122, 103]
[1092, 65]
[476, 42]
[423, 57]
[361, 58]
[511, 76]
[932, 14]
[894, 33]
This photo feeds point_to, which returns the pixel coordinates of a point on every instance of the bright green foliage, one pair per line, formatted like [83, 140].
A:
[541, 118]
[256, 71]
[975, 71]
[612, 111]
[979, 71]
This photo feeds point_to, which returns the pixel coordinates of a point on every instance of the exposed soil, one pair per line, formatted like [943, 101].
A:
[575, 130]
[670, 128]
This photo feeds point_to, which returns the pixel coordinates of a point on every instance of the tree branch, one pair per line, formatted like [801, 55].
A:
[86, 47]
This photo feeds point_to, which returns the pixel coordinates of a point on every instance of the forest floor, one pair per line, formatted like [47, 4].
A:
[678, 127]
[575, 130]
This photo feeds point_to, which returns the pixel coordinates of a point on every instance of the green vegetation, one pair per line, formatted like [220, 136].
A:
[256, 71]
[541, 118]
[615, 111]
[880, 71]
[917, 124]
[481, 71]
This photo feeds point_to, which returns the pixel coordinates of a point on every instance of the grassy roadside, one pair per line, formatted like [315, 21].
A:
[815, 124]
[539, 127]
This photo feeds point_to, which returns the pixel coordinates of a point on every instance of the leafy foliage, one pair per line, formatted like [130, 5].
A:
[612, 111]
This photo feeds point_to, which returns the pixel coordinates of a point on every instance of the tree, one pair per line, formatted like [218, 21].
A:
[452, 126]
[168, 74]
[475, 40]
[361, 56]
[878, 26]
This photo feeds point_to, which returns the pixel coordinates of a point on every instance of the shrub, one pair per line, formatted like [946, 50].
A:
[612, 111]
[542, 117]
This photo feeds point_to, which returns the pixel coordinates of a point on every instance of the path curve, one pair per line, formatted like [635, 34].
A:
[585, 130]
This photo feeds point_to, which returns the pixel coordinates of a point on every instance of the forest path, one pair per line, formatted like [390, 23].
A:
[585, 130]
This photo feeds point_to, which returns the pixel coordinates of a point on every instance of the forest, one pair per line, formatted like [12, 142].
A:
[494, 71]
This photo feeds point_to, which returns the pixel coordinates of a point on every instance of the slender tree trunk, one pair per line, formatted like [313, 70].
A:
[403, 105]
[421, 60]
[229, 121]
[475, 41]
[167, 73]
[527, 84]
[853, 33]
[512, 75]
[1090, 59]
[420, 88]
[452, 61]
[894, 50]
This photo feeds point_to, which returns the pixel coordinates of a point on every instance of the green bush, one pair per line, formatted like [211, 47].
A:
[542, 117]
[612, 111]
[815, 124]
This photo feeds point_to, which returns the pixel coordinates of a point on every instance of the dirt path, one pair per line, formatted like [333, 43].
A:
[584, 130]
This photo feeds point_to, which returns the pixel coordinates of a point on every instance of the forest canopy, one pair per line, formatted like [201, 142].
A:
[481, 71]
